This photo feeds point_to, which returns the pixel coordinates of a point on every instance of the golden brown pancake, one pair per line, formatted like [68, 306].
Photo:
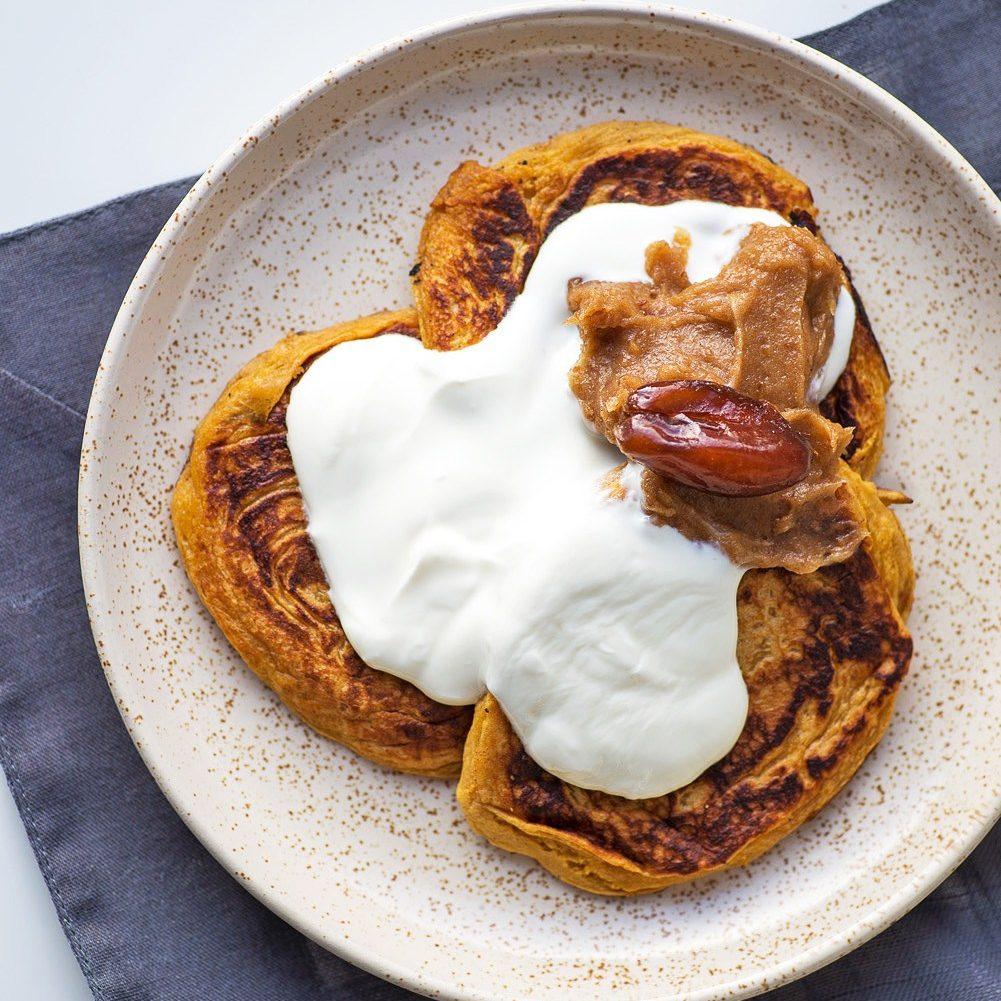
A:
[822, 653]
[486, 224]
[241, 528]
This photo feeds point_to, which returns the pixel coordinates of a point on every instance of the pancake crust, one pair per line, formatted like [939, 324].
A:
[241, 528]
[822, 653]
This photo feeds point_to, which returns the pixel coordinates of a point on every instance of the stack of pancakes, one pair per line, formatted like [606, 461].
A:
[822, 653]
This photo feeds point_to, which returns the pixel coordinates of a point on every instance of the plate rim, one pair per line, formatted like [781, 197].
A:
[834, 74]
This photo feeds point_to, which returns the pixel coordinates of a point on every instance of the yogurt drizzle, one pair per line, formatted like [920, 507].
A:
[455, 502]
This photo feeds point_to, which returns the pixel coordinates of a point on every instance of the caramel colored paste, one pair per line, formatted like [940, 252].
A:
[764, 326]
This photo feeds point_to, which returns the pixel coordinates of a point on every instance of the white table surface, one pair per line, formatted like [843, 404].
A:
[102, 99]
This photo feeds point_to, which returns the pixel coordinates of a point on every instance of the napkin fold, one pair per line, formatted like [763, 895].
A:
[149, 913]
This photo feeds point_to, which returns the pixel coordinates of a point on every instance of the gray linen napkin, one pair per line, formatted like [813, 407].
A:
[149, 914]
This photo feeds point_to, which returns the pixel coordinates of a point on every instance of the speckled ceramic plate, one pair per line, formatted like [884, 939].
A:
[313, 217]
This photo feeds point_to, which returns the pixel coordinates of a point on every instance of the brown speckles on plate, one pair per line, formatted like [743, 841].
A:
[314, 218]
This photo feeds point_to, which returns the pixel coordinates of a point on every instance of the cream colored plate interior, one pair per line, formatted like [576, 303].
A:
[313, 217]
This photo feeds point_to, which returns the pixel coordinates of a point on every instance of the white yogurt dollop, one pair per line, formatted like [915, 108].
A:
[455, 502]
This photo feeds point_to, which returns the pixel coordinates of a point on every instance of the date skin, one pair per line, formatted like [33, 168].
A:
[712, 438]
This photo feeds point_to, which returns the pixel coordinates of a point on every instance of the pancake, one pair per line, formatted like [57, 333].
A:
[822, 653]
[241, 529]
[486, 224]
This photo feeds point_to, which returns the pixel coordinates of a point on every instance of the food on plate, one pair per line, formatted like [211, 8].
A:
[241, 529]
[631, 521]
